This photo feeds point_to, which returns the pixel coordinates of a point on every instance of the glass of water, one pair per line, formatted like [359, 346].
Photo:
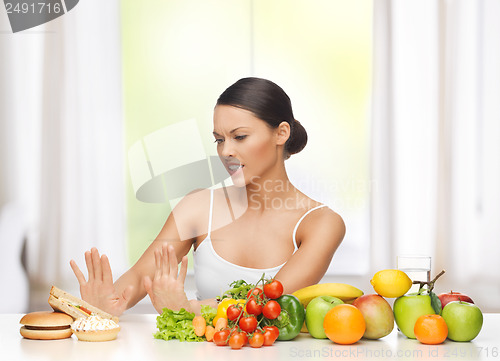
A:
[418, 268]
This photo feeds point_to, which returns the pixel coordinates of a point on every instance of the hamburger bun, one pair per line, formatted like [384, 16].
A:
[46, 325]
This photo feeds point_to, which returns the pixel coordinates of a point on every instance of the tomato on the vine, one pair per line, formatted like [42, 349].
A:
[233, 312]
[255, 293]
[256, 339]
[221, 337]
[274, 330]
[253, 307]
[248, 324]
[238, 340]
[271, 309]
[270, 335]
[273, 289]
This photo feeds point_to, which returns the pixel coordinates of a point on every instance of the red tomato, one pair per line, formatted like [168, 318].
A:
[248, 324]
[238, 340]
[273, 289]
[256, 293]
[275, 331]
[269, 337]
[221, 337]
[256, 340]
[253, 307]
[233, 312]
[271, 310]
[85, 310]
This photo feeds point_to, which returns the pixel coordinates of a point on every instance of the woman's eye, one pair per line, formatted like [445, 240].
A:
[240, 137]
[218, 141]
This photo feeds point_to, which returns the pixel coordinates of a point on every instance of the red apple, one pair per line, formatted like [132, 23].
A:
[378, 315]
[446, 298]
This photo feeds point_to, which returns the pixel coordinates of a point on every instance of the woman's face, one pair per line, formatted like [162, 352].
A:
[245, 144]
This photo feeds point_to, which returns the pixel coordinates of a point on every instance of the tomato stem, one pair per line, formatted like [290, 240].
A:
[261, 279]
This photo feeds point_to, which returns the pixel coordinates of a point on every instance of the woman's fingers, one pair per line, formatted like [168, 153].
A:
[172, 260]
[107, 275]
[157, 260]
[79, 275]
[183, 271]
[90, 267]
[157, 264]
[96, 262]
[166, 289]
[166, 262]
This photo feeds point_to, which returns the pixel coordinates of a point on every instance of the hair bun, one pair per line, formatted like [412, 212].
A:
[297, 140]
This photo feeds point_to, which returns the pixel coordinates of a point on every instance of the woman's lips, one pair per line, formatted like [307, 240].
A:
[233, 168]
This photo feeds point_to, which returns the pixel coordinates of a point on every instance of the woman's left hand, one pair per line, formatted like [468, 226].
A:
[166, 289]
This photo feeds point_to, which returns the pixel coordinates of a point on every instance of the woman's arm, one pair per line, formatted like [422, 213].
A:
[320, 234]
[146, 265]
[179, 231]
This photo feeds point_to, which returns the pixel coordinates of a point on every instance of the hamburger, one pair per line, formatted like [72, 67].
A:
[46, 325]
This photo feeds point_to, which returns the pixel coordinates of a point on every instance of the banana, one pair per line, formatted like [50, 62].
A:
[345, 292]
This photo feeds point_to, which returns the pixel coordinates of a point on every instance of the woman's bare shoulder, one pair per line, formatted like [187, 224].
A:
[190, 215]
[193, 205]
[320, 224]
[195, 197]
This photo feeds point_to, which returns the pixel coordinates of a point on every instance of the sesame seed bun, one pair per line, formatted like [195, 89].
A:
[46, 325]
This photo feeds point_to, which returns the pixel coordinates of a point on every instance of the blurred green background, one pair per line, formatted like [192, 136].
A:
[180, 55]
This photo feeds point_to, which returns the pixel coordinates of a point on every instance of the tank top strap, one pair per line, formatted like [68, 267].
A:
[210, 213]
[295, 248]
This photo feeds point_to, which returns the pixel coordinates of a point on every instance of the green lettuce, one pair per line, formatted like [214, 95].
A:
[208, 313]
[176, 325]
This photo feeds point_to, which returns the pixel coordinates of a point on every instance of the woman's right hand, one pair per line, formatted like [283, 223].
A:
[99, 290]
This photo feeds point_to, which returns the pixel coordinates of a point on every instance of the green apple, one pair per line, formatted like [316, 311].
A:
[464, 320]
[408, 308]
[315, 314]
[378, 315]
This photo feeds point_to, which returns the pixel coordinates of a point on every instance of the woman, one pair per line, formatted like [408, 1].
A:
[261, 224]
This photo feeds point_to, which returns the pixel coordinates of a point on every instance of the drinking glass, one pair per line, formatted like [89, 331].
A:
[418, 268]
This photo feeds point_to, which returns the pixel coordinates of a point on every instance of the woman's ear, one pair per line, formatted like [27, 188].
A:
[282, 133]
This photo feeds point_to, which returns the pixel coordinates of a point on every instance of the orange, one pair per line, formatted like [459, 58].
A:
[431, 329]
[344, 324]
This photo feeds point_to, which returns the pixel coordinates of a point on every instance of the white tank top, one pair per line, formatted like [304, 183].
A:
[213, 274]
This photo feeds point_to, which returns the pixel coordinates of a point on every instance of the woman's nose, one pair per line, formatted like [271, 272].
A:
[227, 150]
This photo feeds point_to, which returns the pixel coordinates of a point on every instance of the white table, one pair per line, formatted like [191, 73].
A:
[135, 342]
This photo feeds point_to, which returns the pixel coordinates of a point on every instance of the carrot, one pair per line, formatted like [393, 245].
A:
[199, 325]
[209, 333]
[221, 324]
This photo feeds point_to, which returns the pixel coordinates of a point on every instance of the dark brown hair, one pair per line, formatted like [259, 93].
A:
[268, 102]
